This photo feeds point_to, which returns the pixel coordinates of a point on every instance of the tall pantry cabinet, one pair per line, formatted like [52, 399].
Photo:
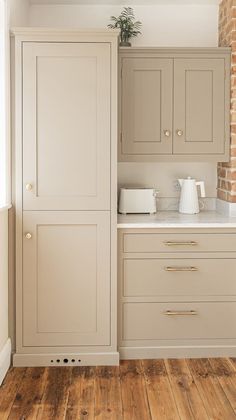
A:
[65, 137]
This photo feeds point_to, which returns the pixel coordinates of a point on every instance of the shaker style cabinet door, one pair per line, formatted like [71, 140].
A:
[146, 106]
[199, 106]
[66, 287]
[66, 126]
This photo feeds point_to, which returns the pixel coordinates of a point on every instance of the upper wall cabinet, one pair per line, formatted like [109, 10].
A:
[66, 96]
[199, 106]
[146, 108]
[174, 104]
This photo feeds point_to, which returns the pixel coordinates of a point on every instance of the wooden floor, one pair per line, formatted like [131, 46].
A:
[148, 389]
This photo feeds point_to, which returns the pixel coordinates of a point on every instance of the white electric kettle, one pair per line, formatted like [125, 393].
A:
[189, 196]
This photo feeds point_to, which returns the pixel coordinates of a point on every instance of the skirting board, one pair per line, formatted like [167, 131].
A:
[62, 359]
[176, 352]
[5, 359]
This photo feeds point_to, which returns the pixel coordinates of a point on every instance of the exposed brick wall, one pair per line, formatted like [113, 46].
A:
[227, 38]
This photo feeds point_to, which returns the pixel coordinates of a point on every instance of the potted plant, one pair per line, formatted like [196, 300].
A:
[127, 25]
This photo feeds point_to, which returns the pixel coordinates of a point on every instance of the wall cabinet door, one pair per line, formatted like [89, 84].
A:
[66, 126]
[146, 106]
[174, 104]
[199, 106]
[66, 272]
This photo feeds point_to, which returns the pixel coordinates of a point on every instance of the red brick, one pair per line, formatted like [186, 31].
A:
[233, 128]
[231, 198]
[233, 187]
[233, 140]
[233, 151]
[231, 175]
[221, 172]
[230, 164]
[225, 185]
[233, 117]
[233, 84]
[222, 195]
[233, 36]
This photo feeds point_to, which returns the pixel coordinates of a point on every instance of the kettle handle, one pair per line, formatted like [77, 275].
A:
[201, 184]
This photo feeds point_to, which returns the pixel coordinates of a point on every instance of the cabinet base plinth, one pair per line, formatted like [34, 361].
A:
[66, 359]
[176, 352]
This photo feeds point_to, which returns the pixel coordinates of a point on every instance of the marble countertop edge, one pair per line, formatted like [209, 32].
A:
[174, 219]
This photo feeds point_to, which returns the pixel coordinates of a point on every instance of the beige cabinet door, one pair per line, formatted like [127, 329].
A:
[66, 278]
[199, 100]
[66, 126]
[146, 106]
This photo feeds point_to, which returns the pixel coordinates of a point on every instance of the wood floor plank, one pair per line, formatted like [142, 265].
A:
[9, 389]
[134, 398]
[215, 401]
[232, 361]
[29, 394]
[108, 403]
[226, 375]
[187, 398]
[159, 392]
[143, 390]
[54, 400]
[81, 396]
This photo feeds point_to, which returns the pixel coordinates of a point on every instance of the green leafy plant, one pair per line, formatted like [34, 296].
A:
[127, 25]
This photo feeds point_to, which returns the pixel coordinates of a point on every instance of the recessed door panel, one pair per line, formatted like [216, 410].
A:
[66, 279]
[199, 106]
[66, 126]
[146, 101]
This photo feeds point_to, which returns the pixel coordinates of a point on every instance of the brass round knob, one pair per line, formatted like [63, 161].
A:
[28, 235]
[179, 133]
[29, 187]
[167, 133]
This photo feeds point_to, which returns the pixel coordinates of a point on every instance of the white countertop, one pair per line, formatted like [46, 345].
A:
[173, 219]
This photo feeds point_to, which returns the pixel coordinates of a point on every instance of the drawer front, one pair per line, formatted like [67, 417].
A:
[152, 321]
[178, 277]
[179, 242]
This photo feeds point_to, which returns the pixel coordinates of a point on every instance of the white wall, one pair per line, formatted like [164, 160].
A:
[163, 25]
[3, 277]
[163, 176]
[5, 346]
[17, 15]
[19, 12]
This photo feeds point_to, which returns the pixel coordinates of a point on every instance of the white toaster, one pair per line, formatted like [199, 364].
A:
[137, 200]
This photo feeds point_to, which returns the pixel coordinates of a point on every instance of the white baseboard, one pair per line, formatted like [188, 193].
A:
[5, 359]
[63, 359]
[176, 352]
[225, 208]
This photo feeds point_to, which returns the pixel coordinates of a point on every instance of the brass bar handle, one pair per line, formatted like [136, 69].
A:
[181, 313]
[174, 243]
[181, 269]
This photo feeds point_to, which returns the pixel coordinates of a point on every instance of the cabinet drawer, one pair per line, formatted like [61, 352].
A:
[175, 277]
[150, 321]
[179, 242]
